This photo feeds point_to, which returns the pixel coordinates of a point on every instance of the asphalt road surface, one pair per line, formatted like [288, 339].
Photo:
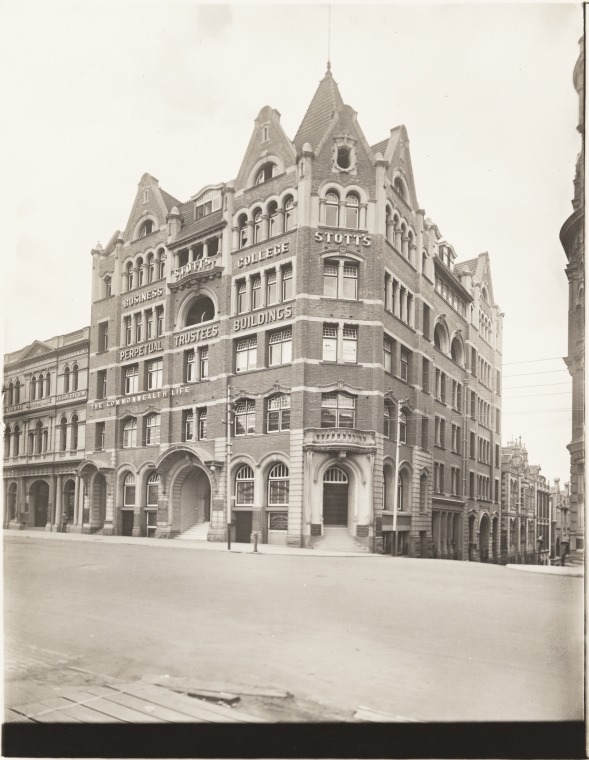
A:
[424, 640]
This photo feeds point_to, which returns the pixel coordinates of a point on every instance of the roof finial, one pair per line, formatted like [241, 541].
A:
[328, 38]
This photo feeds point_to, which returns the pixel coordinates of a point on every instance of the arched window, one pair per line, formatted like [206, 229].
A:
[441, 337]
[457, 352]
[150, 267]
[152, 489]
[152, 430]
[74, 433]
[257, 226]
[288, 213]
[399, 187]
[130, 433]
[267, 171]
[16, 441]
[403, 491]
[40, 386]
[107, 286]
[129, 275]
[352, 211]
[272, 219]
[332, 210]
[7, 441]
[66, 380]
[129, 490]
[10, 397]
[161, 263]
[75, 377]
[140, 273]
[62, 434]
[242, 231]
[335, 475]
[244, 486]
[389, 225]
[48, 384]
[17, 392]
[146, 228]
[201, 310]
[33, 388]
[38, 437]
[278, 485]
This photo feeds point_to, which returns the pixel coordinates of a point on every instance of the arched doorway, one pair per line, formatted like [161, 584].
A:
[194, 499]
[471, 539]
[40, 497]
[69, 492]
[484, 538]
[495, 539]
[335, 497]
[98, 503]
[11, 503]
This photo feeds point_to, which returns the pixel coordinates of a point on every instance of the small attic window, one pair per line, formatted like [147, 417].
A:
[145, 196]
[265, 133]
[344, 157]
[267, 171]
[207, 203]
[146, 228]
[400, 188]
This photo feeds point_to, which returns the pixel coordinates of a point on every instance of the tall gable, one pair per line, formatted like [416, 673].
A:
[482, 275]
[398, 156]
[150, 203]
[326, 101]
[268, 143]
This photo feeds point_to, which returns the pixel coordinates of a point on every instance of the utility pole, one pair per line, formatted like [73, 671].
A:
[396, 481]
[229, 421]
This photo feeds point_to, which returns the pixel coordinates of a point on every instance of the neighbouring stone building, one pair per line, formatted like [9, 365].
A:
[560, 509]
[571, 236]
[296, 352]
[45, 396]
[525, 508]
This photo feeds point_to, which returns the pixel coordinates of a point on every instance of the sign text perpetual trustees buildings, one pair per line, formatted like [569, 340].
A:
[315, 295]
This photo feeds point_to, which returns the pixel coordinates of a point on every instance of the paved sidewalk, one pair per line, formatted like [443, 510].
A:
[179, 544]
[577, 571]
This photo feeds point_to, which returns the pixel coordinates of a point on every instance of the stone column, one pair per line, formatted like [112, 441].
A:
[76, 499]
[362, 216]
[405, 246]
[264, 229]
[279, 222]
[59, 502]
[398, 242]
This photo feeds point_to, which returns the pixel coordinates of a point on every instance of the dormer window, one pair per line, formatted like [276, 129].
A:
[146, 228]
[267, 171]
[207, 203]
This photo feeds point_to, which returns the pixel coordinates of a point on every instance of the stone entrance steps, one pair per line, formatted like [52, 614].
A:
[197, 532]
[338, 539]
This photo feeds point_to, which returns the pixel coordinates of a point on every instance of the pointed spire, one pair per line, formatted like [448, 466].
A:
[326, 101]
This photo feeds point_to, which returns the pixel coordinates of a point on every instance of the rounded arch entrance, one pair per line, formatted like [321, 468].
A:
[97, 499]
[484, 536]
[191, 497]
[39, 500]
[335, 497]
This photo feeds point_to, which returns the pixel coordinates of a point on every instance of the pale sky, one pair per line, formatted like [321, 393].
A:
[97, 94]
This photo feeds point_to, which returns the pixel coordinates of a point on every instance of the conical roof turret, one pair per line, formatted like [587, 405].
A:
[326, 101]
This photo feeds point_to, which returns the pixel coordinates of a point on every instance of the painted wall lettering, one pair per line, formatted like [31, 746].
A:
[265, 253]
[191, 336]
[146, 348]
[263, 318]
[349, 238]
[141, 297]
[195, 266]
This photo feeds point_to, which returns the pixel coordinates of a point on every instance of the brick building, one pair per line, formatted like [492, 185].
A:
[525, 509]
[263, 354]
[571, 237]
[45, 395]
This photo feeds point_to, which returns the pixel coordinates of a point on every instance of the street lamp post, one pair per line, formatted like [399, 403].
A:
[396, 481]
[228, 464]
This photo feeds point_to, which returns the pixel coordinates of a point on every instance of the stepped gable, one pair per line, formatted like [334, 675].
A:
[326, 101]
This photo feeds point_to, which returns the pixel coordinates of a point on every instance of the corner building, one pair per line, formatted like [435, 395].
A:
[309, 325]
